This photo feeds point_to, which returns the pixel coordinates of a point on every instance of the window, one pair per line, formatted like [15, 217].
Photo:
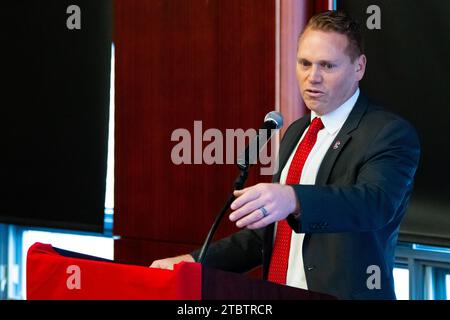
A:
[428, 269]
[16, 240]
[401, 279]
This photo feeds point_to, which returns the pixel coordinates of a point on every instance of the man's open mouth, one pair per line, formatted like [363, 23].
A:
[314, 93]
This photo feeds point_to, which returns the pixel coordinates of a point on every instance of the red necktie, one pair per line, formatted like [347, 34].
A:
[280, 254]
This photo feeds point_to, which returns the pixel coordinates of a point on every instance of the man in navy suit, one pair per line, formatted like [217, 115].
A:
[329, 222]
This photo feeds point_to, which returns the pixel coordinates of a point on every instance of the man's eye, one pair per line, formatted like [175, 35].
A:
[328, 66]
[304, 63]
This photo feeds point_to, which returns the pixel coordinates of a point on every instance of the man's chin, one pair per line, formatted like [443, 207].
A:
[314, 106]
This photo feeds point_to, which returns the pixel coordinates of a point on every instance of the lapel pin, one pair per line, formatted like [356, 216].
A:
[336, 145]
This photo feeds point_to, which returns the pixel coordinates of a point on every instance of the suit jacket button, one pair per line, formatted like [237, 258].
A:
[310, 268]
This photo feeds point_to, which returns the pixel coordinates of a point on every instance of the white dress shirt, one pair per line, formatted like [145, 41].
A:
[332, 122]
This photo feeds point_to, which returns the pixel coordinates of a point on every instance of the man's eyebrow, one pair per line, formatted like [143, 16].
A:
[319, 62]
[327, 61]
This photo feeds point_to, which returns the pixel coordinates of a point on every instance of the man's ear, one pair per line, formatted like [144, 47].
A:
[360, 65]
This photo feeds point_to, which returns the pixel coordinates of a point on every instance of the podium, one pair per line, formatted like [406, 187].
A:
[56, 274]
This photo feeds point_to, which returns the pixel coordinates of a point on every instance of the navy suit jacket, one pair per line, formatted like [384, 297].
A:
[351, 216]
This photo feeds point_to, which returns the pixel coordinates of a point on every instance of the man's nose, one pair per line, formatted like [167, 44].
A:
[315, 75]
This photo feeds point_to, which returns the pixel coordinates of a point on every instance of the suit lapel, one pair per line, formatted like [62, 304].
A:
[341, 140]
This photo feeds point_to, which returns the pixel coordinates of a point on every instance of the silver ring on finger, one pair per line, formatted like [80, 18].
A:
[264, 212]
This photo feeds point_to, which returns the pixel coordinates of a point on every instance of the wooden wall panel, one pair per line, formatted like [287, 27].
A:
[144, 252]
[177, 62]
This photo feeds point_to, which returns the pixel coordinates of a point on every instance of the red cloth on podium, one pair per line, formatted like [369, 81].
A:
[51, 275]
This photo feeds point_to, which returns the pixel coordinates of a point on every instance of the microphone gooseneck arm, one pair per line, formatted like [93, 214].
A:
[273, 120]
[238, 185]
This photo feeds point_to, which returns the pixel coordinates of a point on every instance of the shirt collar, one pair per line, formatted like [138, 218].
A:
[334, 120]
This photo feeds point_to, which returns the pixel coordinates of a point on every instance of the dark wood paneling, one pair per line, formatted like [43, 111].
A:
[176, 62]
[144, 252]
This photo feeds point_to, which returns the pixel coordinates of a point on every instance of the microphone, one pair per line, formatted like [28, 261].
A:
[272, 121]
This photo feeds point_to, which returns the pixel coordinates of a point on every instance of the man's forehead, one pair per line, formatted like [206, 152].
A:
[322, 45]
